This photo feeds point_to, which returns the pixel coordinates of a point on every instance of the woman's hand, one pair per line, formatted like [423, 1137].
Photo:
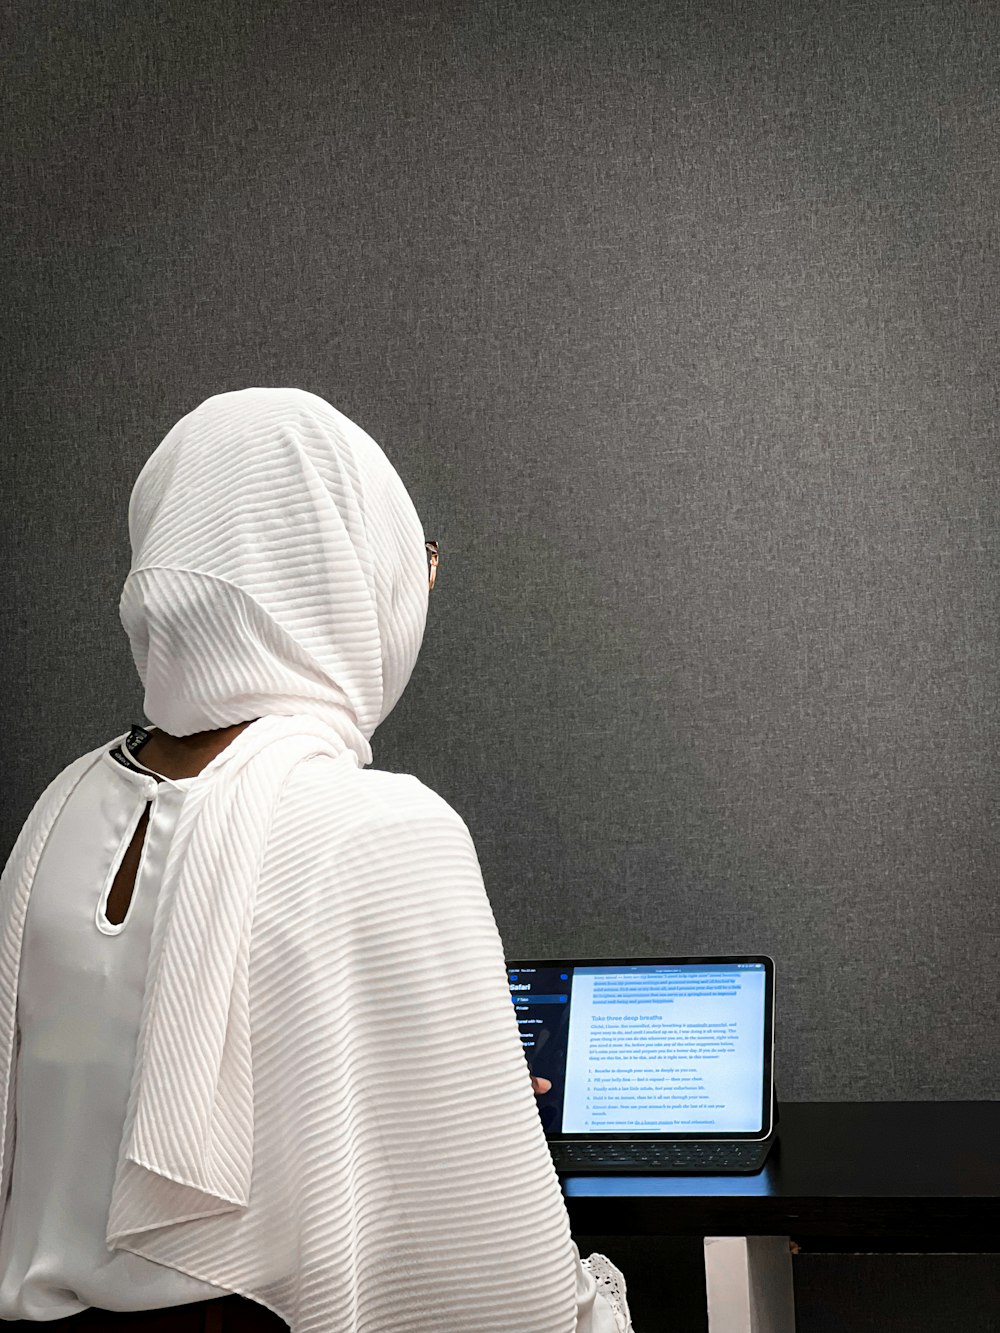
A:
[540, 1085]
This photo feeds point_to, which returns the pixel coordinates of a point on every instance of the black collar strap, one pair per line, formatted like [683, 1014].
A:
[134, 742]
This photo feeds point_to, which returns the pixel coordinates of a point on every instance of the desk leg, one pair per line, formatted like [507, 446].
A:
[749, 1284]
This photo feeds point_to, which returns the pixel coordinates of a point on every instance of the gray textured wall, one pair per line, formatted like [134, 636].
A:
[680, 322]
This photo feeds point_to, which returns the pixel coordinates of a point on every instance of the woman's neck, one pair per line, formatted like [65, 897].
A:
[186, 756]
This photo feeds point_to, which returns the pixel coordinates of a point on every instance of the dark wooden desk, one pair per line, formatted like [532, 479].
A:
[867, 1176]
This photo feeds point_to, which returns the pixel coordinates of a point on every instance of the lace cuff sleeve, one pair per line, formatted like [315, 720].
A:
[611, 1284]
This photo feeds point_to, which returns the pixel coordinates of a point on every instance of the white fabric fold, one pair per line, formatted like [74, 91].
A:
[278, 573]
[193, 1117]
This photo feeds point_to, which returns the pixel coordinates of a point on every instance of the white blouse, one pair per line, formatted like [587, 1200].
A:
[79, 1001]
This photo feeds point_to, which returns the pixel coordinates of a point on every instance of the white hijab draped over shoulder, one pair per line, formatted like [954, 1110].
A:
[346, 1134]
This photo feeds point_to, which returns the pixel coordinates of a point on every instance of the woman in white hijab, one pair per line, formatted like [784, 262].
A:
[315, 1111]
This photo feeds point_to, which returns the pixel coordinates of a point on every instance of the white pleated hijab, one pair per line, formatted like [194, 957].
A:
[279, 572]
[278, 567]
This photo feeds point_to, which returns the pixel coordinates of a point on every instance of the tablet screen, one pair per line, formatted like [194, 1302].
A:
[677, 1048]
